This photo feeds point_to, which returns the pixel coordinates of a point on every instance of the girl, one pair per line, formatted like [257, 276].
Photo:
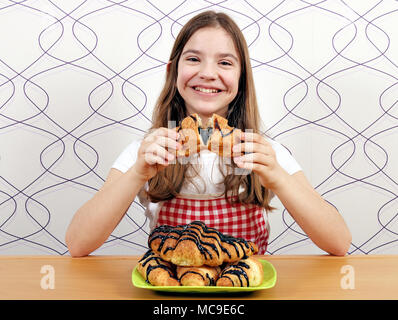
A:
[208, 72]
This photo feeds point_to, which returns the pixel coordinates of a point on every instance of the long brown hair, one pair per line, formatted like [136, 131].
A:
[242, 113]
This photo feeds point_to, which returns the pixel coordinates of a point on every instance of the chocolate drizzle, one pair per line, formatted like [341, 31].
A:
[205, 238]
[207, 278]
[223, 135]
[238, 270]
[217, 126]
[159, 263]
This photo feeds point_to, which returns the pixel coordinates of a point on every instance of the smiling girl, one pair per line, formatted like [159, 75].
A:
[208, 72]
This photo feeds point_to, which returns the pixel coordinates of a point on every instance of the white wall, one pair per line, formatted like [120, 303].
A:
[78, 81]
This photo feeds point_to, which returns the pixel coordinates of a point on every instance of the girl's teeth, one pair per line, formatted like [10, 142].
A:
[206, 90]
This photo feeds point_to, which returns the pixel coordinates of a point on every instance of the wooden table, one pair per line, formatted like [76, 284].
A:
[109, 277]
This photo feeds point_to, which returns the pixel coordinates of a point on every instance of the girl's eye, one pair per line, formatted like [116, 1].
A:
[226, 63]
[192, 59]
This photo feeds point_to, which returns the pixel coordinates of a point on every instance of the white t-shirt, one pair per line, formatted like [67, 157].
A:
[210, 178]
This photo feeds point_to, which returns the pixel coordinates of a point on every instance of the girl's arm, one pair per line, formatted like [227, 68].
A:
[93, 223]
[316, 217]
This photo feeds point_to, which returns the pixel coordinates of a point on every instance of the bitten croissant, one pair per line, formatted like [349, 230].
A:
[244, 273]
[198, 276]
[156, 271]
[216, 136]
[195, 244]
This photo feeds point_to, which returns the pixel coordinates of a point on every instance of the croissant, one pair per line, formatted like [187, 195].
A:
[198, 276]
[244, 273]
[216, 136]
[195, 244]
[189, 136]
[156, 271]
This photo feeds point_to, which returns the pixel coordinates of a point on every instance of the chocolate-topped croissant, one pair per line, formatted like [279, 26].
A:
[198, 276]
[156, 271]
[195, 244]
[244, 273]
[189, 136]
[216, 136]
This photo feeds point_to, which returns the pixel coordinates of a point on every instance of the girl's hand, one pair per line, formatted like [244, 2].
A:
[157, 151]
[260, 158]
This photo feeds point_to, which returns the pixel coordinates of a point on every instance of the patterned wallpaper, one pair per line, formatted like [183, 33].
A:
[78, 81]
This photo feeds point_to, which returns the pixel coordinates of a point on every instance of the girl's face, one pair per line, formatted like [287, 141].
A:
[208, 72]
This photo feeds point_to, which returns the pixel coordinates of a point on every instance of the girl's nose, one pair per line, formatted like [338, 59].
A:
[207, 71]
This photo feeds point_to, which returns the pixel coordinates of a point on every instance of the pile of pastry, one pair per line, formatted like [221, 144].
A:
[197, 255]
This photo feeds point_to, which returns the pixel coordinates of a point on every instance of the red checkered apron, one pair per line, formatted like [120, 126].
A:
[243, 221]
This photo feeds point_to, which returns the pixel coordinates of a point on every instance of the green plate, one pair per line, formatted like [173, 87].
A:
[268, 282]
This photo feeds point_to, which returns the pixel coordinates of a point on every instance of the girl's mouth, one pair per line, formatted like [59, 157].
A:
[206, 90]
